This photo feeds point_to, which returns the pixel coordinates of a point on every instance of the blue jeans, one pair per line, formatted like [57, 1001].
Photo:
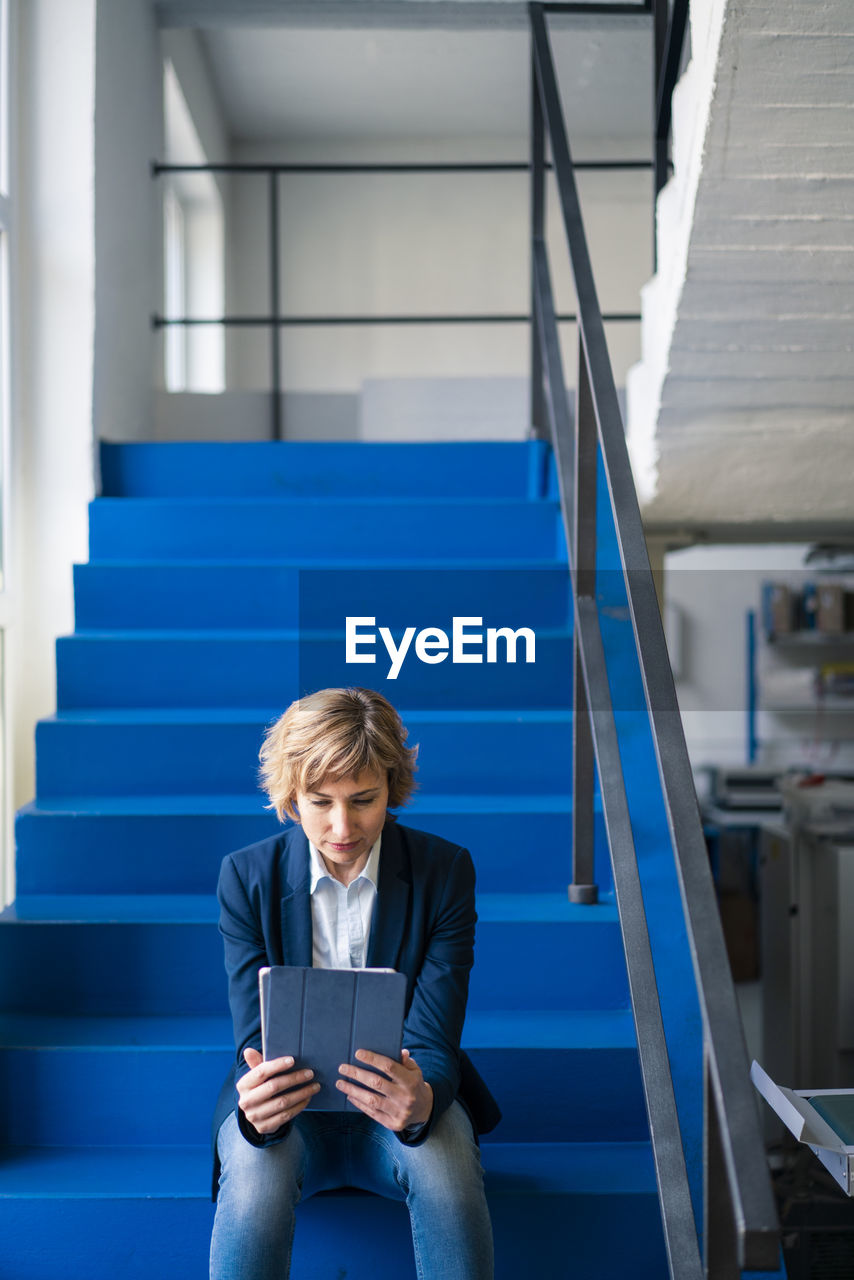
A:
[441, 1181]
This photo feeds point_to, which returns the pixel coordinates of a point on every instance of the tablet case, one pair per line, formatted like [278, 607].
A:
[320, 1017]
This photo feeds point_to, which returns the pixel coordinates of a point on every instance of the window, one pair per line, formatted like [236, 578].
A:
[6, 236]
[174, 244]
[194, 255]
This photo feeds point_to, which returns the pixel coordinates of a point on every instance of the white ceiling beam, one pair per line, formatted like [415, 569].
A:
[463, 14]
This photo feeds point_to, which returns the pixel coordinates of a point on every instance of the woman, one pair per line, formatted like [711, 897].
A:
[348, 887]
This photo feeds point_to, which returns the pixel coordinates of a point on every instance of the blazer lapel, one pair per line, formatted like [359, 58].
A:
[296, 901]
[392, 905]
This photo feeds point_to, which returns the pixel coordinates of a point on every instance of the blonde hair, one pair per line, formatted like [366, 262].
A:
[334, 734]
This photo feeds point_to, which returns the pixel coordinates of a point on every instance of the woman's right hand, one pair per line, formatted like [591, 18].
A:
[263, 1093]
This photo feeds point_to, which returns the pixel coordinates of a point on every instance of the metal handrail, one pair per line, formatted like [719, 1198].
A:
[733, 1137]
[391, 167]
[592, 692]
[274, 321]
[668, 58]
[334, 322]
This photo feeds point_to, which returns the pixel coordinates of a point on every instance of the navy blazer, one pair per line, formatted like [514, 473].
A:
[423, 926]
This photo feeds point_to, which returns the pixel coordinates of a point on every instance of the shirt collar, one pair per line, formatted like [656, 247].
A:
[370, 871]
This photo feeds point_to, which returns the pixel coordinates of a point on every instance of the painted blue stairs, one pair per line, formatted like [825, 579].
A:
[219, 581]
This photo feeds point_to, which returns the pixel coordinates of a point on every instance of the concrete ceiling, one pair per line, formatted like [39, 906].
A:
[416, 69]
[307, 84]
[756, 418]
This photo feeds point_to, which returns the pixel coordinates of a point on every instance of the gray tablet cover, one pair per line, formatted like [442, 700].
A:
[320, 1017]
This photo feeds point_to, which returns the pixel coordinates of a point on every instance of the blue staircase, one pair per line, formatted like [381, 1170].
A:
[219, 581]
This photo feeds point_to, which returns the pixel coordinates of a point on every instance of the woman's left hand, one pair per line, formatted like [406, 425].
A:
[402, 1100]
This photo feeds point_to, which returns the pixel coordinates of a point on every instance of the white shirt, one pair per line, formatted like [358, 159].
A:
[341, 914]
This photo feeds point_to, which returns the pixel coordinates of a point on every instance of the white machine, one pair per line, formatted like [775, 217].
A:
[823, 1119]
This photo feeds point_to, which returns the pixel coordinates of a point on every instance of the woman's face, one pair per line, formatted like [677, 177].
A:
[342, 819]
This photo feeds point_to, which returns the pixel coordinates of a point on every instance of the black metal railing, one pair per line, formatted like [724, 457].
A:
[737, 1222]
[671, 21]
[275, 321]
[669, 24]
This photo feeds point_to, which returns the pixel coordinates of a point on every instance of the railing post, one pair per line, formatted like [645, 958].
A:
[539, 421]
[669, 23]
[720, 1241]
[752, 691]
[275, 309]
[660, 16]
[583, 888]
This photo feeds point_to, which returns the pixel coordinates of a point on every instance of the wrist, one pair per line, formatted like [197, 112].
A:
[424, 1104]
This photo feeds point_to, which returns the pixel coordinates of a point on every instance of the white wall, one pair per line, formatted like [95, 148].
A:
[52, 327]
[184, 51]
[248, 415]
[65, 371]
[712, 589]
[128, 138]
[409, 244]
[419, 243]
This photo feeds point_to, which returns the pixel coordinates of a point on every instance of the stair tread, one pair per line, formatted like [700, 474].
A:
[305, 502]
[510, 1029]
[520, 564]
[184, 1171]
[195, 908]
[591, 1168]
[191, 804]
[542, 908]
[105, 1172]
[109, 908]
[141, 1032]
[252, 803]
[292, 634]
[549, 1029]
[262, 715]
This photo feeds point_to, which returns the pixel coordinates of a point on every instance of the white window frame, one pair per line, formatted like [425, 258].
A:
[8, 95]
[175, 288]
[194, 254]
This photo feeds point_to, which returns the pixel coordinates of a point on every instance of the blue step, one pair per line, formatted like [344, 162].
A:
[541, 1062]
[512, 469]
[136, 1211]
[270, 669]
[196, 594]
[154, 1080]
[220, 581]
[71, 845]
[313, 529]
[114, 752]
[161, 954]
[175, 843]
